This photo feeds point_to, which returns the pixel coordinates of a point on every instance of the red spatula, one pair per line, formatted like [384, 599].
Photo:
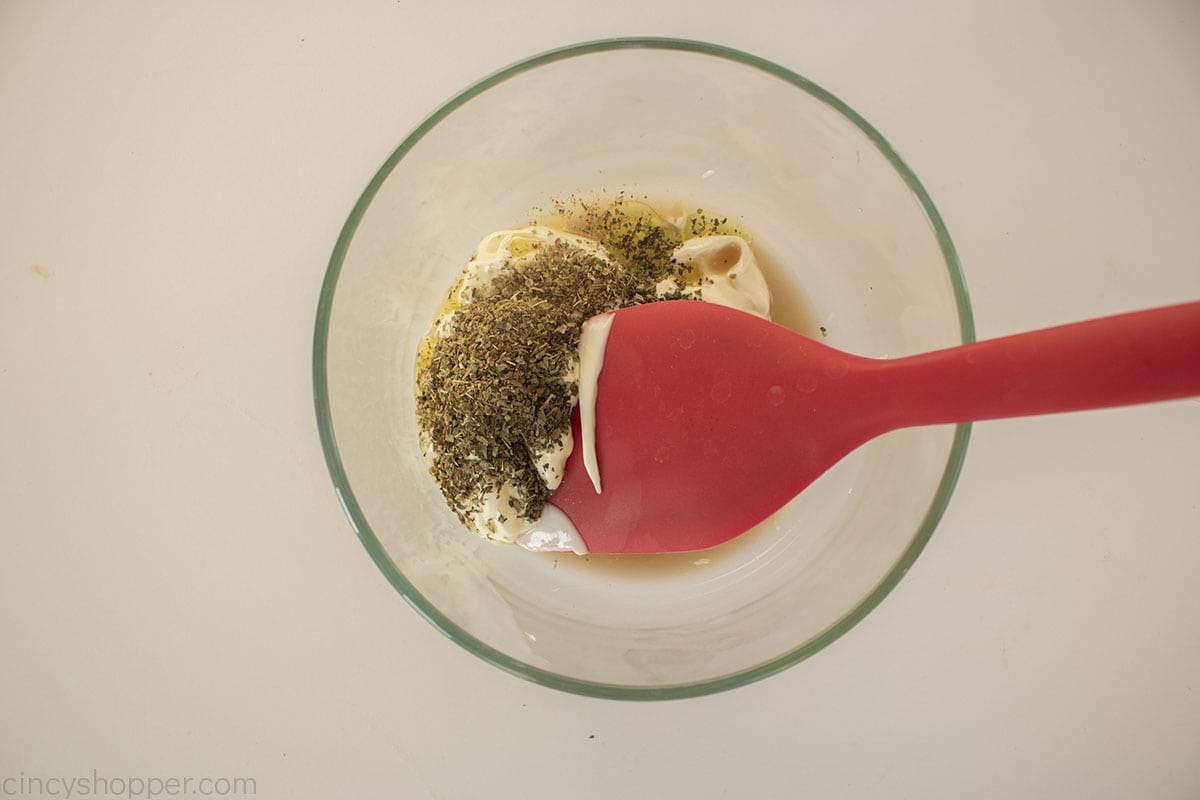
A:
[708, 419]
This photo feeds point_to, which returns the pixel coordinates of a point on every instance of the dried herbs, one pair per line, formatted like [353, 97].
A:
[498, 388]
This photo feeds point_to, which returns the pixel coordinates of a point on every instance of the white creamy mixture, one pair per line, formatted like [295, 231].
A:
[728, 274]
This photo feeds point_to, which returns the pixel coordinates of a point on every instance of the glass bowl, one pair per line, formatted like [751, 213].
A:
[856, 252]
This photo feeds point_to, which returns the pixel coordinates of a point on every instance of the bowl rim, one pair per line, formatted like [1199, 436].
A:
[374, 547]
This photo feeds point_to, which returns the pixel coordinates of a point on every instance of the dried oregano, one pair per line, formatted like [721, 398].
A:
[495, 393]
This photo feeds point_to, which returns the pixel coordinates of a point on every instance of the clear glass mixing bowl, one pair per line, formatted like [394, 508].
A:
[855, 247]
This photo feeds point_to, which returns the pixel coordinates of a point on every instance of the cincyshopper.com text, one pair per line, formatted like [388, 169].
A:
[103, 786]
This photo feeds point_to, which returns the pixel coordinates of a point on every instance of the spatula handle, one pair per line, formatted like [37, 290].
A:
[1138, 357]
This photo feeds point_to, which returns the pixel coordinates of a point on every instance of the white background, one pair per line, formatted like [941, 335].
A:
[180, 594]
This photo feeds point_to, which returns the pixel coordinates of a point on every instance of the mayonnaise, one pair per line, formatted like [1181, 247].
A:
[497, 252]
[500, 251]
[730, 275]
[592, 341]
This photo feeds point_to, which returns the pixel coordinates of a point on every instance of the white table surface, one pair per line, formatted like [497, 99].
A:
[181, 596]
